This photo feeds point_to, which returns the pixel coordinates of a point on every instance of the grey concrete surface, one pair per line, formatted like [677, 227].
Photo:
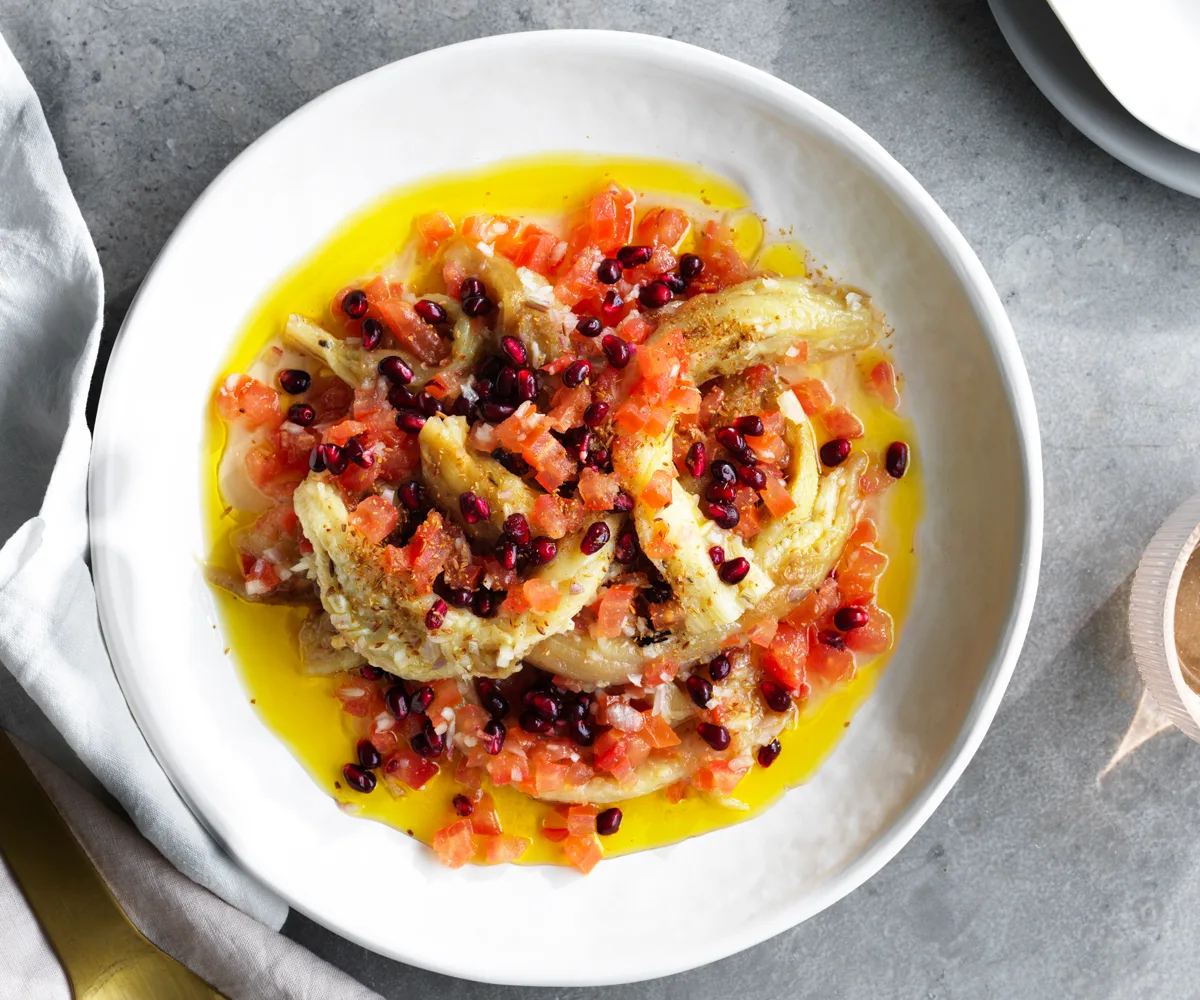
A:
[1035, 878]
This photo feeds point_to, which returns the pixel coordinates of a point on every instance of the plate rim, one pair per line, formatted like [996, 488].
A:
[1001, 340]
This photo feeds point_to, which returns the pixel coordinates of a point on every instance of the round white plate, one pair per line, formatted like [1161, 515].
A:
[1045, 49]
[660, 911]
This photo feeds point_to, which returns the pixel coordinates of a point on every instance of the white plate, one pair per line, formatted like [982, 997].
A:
[1146, 54]
[660, 911]
[1047, 53]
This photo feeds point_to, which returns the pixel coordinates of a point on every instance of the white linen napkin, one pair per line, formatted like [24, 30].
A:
[51, 298]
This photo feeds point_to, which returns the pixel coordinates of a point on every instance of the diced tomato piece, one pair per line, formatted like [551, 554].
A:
[505, 848]
[413, 332]
[554, 467]
[662, 225]
[581, 820]
[343, 431]
[598, 490]
[609, 218]
[556, 517]
[612, 611]
[858, 573]
[271, 473]
[632, 415]
[433, 229]
[453, 274]
[568, 406]
[454, 845]
[658, 732]
[446, 695]
[826, 661]
[554, 826]
[542, 595]
[374, 518]
[762, 632]
[677, 792]
[578, 281]
[488, 228]
[485, 819]
[583, 852]
[839, 422]
[875, 480]
[549, 776]
[720, 776]
[635, 328]
[508, 768]
[658, 491]
[786, 659]
[515, 602]
[246, 400]
[723, 265]
[882, 381]
[659, 671]
[775, 495]
[874, 637]
[684, 400]
[814, 395]
[428, 552]
[710, 405]
[661, 261]
[410, 768]
[658, 547]
[769, 447]
[819, 603]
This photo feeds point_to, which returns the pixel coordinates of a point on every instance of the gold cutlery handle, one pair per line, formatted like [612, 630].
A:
[104, 956]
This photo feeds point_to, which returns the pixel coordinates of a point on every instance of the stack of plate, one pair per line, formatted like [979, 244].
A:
[1127, 78]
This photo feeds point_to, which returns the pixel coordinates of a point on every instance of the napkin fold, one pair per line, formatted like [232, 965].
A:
[65, 698]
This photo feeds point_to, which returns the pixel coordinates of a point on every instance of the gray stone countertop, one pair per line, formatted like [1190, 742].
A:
[1037, 877]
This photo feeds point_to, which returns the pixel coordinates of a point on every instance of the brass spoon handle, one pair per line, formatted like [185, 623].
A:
[104, 956]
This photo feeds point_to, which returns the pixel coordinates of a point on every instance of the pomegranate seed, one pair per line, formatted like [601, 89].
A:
[632, 256]
[726, 516]
[610, 309]
[577, 441]
[609, 271]
[294, 380]
[471, 288]
[658, 593]
[589, 326]
[514, 463]
[355, 304]
[896, 459]
[851, 618]
[674, 282]
[715, 736]
[477, 305]
[410, 421]
[608, 822]
[768, 754]
[474, 508]
[581, 732]
[485, 388]
[543, 550]
[831, 639]
[577, 708]
[396, 700]
[420, 699]
[301, 414]
[719, 667]
[367, 755]
[462, 805]
[731, 439]
[720, 492]
[358, 454]
[835, 452]
[359, 778]
[595, 539]
[623, 503]
[493, 702]
[699, 690]
[435, 617]
[697, 459]
[548, 706]
[428, 742]
[627, 545]
[531, 722]
[427, 404]
[516, 527]
[494, 732]
[751, 426]
[618, 352]
[460, 597]
[369, 672]
[775, 696]
[690, 265]
[515, 350]
[655, 295]
[723, 471]
[372, 333]
[506, 383]
[495, 413]
[506, 552]
[756, 479]
[483, 604]
[717, 555]
[335, 458]
[527, 387]
[396, 370]
[412, 495]
[401, 397]
[430, 311]
[735, 570]
[316, 459]
[577, 373]
[594, 415]
[745, 457]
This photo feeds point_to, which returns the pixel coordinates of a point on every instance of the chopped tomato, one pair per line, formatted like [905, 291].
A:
[454, 845]
[710, 405]
[723, 265]
[410, 768]
[612, 611]
[516, 603]
[270, 471]
[762, 632]
[875, 480]
[427, 554]
[359, 698]
[343, 431]
[533, 248]
[830, 662]
[659, 671]
[677, 792]
[874, 637]
[554, 826]
[504, 848]
[581, 820]
[374, 518]
[488, 228]
[508, 767]
[719, 776]
[778, 500]
[609, 218]
[822, 601]
[769, 447]
[568, 406]
[485, 819]
[542, 595]
[858, 573]
[579, 281]
[658, 491]
[659, 547]
[446, 695]
[528, 433]
[598, 490]
[839, 422]
[583, 852]
[413, 332]
[661, 261]
[658, 732]
[453, 274]
[635, 328]
[549, 776]
[786, 659]
[246, 400]
[433, 229]
[814, 395]
[882, 382]
[667, 226]
[556, 517]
